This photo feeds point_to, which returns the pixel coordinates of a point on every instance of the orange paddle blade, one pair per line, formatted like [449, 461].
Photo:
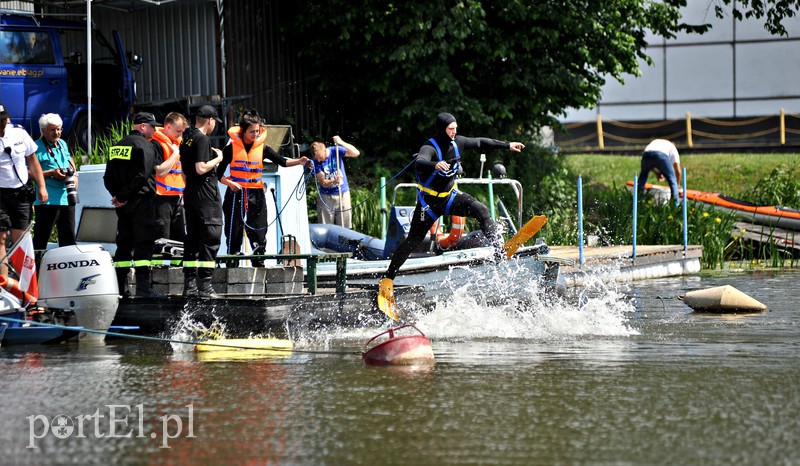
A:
[524, 234]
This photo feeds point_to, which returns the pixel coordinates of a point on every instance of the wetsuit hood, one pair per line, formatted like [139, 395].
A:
[443, 120]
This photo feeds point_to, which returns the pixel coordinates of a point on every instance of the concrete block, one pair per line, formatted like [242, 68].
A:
[166, 275]
[239, 280]
[171, 289]
[284, 274]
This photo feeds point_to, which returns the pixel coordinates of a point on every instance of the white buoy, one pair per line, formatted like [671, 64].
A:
[722, 299]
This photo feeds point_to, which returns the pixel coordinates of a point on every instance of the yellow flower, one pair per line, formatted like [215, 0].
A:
[705, 214]
[669, 217]
[718, 220]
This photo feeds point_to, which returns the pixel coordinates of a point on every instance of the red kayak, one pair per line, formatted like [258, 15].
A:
[775, 216]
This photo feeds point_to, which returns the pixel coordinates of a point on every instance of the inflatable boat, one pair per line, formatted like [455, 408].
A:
[774, 216]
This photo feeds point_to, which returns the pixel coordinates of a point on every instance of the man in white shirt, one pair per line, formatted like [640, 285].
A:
[16, 198]
[662, 158]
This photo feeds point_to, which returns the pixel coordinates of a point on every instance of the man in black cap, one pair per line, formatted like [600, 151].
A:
[130, 180]
[202, 204]
[436, 168]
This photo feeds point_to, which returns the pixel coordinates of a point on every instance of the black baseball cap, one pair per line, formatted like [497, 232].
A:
[4, 112]
[147, 118]
[207, 111]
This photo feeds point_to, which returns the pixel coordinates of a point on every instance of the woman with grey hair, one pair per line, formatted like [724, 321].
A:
[58, 169]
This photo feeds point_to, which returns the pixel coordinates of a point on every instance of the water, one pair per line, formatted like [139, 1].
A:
[632, 378]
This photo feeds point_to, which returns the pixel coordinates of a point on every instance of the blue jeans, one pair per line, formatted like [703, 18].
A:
[660, 161]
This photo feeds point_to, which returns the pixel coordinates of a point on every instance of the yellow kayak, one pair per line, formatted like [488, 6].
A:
[275, 346]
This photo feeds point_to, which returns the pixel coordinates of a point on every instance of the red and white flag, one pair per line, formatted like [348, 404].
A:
[23, 260]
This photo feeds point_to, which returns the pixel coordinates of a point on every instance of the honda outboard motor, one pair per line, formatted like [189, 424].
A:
[80, 279]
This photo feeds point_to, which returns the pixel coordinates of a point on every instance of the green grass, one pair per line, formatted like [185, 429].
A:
[731, 174]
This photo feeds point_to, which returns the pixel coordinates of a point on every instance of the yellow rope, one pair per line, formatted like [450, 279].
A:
[577, 124]
[732, 123]
[621, 124]
[646, 140]
[735, 136]
[793, 131]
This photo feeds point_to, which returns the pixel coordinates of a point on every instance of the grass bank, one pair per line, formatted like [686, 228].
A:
[731, 174]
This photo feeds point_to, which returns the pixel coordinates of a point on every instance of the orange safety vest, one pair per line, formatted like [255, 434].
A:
[172, 183]
[247, 167]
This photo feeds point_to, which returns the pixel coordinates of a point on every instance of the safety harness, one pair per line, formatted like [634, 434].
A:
[425, 188]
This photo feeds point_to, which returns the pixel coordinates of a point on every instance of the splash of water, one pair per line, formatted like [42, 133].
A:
[510, 302]
[188, 329]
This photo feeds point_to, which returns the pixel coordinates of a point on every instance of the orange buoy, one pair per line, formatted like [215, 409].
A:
[12, 286]
[410, 349]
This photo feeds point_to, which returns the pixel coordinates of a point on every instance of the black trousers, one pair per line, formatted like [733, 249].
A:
[169, 218]
[463, 205]
[135, 233]
[49, 216]
[250, 215]
[203, 226]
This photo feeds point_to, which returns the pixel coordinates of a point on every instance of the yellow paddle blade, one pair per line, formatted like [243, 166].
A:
[386, 299]
[524, 234]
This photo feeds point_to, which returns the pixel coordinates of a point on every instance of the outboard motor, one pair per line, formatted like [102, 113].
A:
[80, 279]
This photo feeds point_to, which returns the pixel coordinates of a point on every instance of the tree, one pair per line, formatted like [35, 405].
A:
[503, 67]
[776, 12]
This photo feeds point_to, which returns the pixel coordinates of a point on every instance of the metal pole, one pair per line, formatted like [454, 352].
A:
[580, 221]
[491, 196]
[89, 78]
[339, 203]
[685, 215]
[635, 204]
[384, 220]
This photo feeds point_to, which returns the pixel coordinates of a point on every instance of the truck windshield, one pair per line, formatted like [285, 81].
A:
[26, 48]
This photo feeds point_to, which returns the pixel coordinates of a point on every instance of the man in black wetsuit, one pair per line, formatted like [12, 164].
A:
[436, 167]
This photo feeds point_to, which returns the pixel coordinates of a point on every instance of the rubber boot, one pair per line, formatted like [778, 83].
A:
[386, 302]
[204, 288]
[189, 282]
[143, 288]
[122, 280]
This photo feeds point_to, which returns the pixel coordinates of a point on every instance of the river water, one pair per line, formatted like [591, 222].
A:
[632, 377]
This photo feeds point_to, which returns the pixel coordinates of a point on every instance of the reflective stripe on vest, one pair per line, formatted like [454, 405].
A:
[246, 167]
[171, 184]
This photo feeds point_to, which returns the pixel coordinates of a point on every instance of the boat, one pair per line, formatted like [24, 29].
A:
[431, 265]
[18, 328]
[773, 216]
[78, 296]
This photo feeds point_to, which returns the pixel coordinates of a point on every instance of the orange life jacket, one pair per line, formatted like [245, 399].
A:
[172, 183]
[247, 167]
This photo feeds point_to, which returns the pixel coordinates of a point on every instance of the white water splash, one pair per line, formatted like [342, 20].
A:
[508, 302]
[187, 329]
